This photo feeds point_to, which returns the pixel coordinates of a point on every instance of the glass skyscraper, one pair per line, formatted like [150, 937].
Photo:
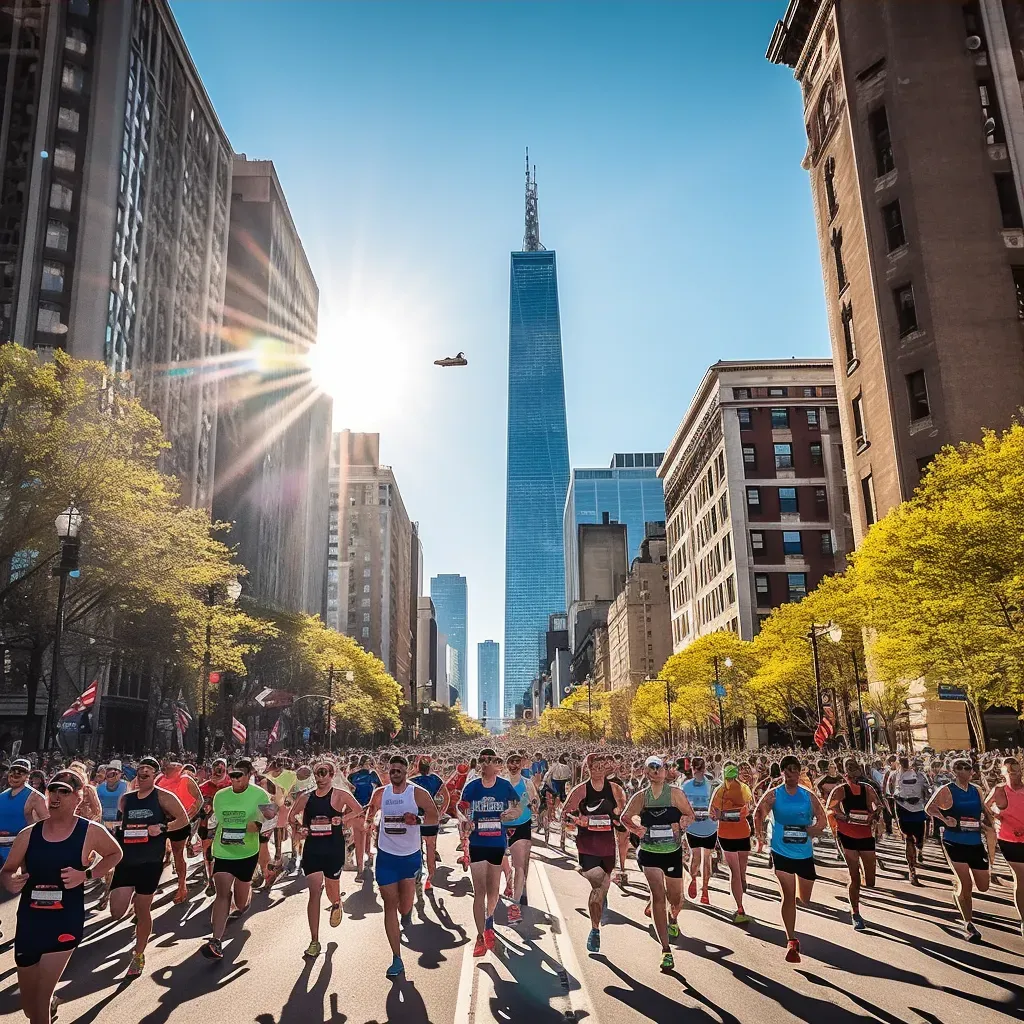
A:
[448, 592]
[488, 682]
[628, 491]
[538, 460]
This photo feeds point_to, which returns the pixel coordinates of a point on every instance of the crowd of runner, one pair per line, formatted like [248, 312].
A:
[116, 826]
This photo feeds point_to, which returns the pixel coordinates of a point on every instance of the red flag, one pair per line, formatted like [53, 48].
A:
[84, 700]
[825, 729]
[238, 730]
[394, 734]
[334, 724]
[275, 733]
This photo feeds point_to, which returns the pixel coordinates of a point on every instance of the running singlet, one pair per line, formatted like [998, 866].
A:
[597, 837]
[109, 799]
[363, 783]
[51, 917]
[486, 806]
[967, 811]
[431, 783]
[234, 811]
[12, 818]
[395, 836]
[855, 807]
[658, 817]
[1011, 820]
[791, 817]
[138, 814]
[729, 800]
[319, 816]
[910, 790]
[699, 795]
[524, 803]
[180, 788]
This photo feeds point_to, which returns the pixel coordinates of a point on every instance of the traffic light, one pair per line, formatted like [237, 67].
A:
[214, 678]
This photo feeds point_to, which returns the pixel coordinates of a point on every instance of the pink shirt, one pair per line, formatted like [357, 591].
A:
[1011, 821]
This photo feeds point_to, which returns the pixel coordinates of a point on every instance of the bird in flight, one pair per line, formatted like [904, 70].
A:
[459, 360]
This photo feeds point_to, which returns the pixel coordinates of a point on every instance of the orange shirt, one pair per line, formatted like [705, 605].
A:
[731, 797]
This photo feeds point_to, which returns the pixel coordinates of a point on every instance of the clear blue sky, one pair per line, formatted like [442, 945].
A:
[668, 165]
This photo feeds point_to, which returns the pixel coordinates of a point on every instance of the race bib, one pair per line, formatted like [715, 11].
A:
[135, 834]
[320, 827]
[858, 817]
[489, 827]
[7, 838]
[600, 823]
[46, 897]
[700, 814]
[794, 834]
[970, 824]
[232, 836]
[394, 824]
[731, 815]
[661, 834]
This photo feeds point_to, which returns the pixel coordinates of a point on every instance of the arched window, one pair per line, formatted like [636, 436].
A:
[830, 187]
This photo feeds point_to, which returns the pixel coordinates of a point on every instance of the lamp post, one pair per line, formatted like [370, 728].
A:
[860, 706]
[232, 591]
[67, 524]
[835, 634]
[719, 693]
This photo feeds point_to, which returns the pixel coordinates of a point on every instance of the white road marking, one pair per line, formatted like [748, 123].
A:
[464, 1006]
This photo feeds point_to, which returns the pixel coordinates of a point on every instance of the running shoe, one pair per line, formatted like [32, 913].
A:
[489, 938]
[705, 898]
[858, 923]
[480, 949]
[137, 964]
[594, 941]
[740, 918]
[336, 914]
[667, 962]
[515, 915]
[971, 933]
[312, 950]
[508, 890]
[397, 968]
[692, 890]
[673, 928]
[523, 902]
[793, 951]
[428, 885]
[212, 950]
[647, 910]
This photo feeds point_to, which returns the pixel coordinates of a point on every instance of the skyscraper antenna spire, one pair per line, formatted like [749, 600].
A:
[531, 240]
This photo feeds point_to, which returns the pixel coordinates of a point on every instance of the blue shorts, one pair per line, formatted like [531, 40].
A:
[389, 869]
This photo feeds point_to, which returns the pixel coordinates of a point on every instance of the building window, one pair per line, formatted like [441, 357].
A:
[784, 456]
[791, 543]
[830, 187]
[881, 141]
[991, 122]
[867, 490]
[917, 393]
[56, 235]
[749, 455]
[788, 500]
[778, 392]
[817, 457]
[1018, 287]
[812, 418]
[821, 502]
[858, 421]
[366, 630]
[48, 318]
[76, 41]
[906, 309]
[848, 341]
[797, 584]
[780, 419]
[72, 78]
[923, 463]
[892, 218]
[60, 197]
[837, 252]
[761, 585]
[757, 541]
[730, 589]
[754, 499]
[64, 158]
[366, 588]
[744, 417]
[826, 543]
[53, 277]
[67, 119]
[1009, 207]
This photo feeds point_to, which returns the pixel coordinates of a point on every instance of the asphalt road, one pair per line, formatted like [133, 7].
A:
[910, 966]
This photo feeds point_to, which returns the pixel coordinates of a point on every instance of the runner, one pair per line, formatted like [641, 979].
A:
[519, 833]
[557, 779]
[797, 817]
[433, 783]
[217, 781]
[149, 816]
[730, 806]
[364, 781]
[1006, 801]
[854, 807]
[403, 808]
[594, 807]
[280, 773]
[487, 805]
[614, 774]
[702, 832]
[240, 810]
[186, 789]
[320, 817]
[20, 805]
[959, 806]
[48, 866]
[657, 814]
[910, 789]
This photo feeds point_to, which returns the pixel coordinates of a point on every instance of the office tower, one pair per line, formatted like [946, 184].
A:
[369, 554]
[116, 182]
[488, 683]
[627, 491]
[538, 457]
[426, 653]
[755, 495]
[448, 592]
[273, 427]
[415, 593]
[915, 131]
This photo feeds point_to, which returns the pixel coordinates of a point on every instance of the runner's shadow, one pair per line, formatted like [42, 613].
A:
[362, 902]
[305, 1004]
[430, 939]
[528, 997]
[404, 1004]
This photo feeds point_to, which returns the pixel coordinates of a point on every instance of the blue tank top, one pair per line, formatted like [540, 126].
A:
[699, 795]
[967, 811]
[791, 816]
[109, 799]
[12, 818]
[520, 788]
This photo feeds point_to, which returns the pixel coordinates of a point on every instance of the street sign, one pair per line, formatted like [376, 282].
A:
[947, 691]
[719, 690]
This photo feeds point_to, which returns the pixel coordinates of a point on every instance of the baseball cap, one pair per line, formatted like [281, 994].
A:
[23, 763]
[731, 771]
[654, 762]
[71, 781]
[114, 766]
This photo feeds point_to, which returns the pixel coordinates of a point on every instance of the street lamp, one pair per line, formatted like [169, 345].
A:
[67, 525]
[719, 694]
[835, 634]
[590, 704]
[349, 677]
[232, 592]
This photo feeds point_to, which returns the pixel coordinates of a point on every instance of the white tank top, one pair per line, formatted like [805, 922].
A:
[395, 837]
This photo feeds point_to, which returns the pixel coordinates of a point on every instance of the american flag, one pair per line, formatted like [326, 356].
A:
[275, 733]
[334, 724]
[825, 729]
[238, 730]
[84, 700]
[182, 717]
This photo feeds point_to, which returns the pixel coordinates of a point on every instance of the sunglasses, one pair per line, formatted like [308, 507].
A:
[236, 775]
[322, 772]
[490, 760]
[398, 769]
[59, 787]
